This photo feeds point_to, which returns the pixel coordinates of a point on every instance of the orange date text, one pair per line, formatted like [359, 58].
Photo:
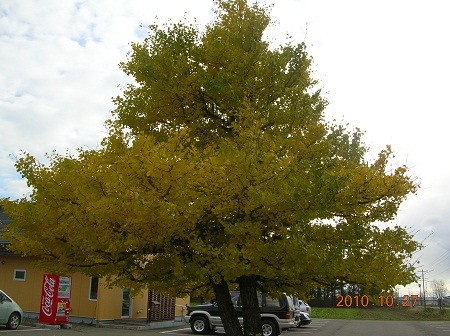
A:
[383, 300]
[352, 301]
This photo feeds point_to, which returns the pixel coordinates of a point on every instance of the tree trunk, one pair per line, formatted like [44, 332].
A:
[228, 314]
[250, 306]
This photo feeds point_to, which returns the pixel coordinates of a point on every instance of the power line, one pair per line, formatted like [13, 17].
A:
[446, 270]
[432, 232]
[441, 258]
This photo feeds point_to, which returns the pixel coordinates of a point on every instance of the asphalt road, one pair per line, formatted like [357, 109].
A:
[319, 327]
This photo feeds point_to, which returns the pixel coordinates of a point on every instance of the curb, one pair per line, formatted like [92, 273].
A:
[151, 325]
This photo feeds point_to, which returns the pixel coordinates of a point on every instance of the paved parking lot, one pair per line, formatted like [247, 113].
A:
[319, 327]
[322, 327]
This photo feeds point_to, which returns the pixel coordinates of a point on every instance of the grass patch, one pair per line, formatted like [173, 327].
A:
[383, 313]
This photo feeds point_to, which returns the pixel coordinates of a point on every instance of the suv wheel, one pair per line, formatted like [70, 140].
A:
[200, 325]
[269, 328]
[13, 321]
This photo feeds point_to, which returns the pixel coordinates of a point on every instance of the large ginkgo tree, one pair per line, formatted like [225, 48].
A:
[220, 171]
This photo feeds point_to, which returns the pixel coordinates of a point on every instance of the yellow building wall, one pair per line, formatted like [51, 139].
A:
[109, 302]
[26, 293]
[139, 304]
[108, 305]
[180, 305]
[80, 305]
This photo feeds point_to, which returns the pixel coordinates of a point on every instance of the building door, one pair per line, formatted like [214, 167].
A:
[126, 303]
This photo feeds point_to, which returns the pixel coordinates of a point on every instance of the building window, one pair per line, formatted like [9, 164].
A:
[20, 275]
[93, 288]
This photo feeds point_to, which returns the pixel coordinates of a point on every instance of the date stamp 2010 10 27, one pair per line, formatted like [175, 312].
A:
[383, 301]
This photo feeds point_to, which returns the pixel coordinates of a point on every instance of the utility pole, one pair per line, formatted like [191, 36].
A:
[420, 293]
[424, 297]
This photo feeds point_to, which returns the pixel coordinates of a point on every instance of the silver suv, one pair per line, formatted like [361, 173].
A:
[277, 314]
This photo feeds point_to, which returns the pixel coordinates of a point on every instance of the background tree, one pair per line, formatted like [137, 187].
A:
[219, 172]
[439, 290]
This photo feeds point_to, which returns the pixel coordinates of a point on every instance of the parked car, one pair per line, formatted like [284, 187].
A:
[10, 312]
[304, 307]
[277, 314]
[302, 312]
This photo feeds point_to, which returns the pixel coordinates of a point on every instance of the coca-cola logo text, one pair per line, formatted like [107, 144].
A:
[48, 290]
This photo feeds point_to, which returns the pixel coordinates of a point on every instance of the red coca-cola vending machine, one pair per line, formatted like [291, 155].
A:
[55, 299]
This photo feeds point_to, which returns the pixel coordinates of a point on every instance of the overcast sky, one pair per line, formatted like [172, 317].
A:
[383, 66]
